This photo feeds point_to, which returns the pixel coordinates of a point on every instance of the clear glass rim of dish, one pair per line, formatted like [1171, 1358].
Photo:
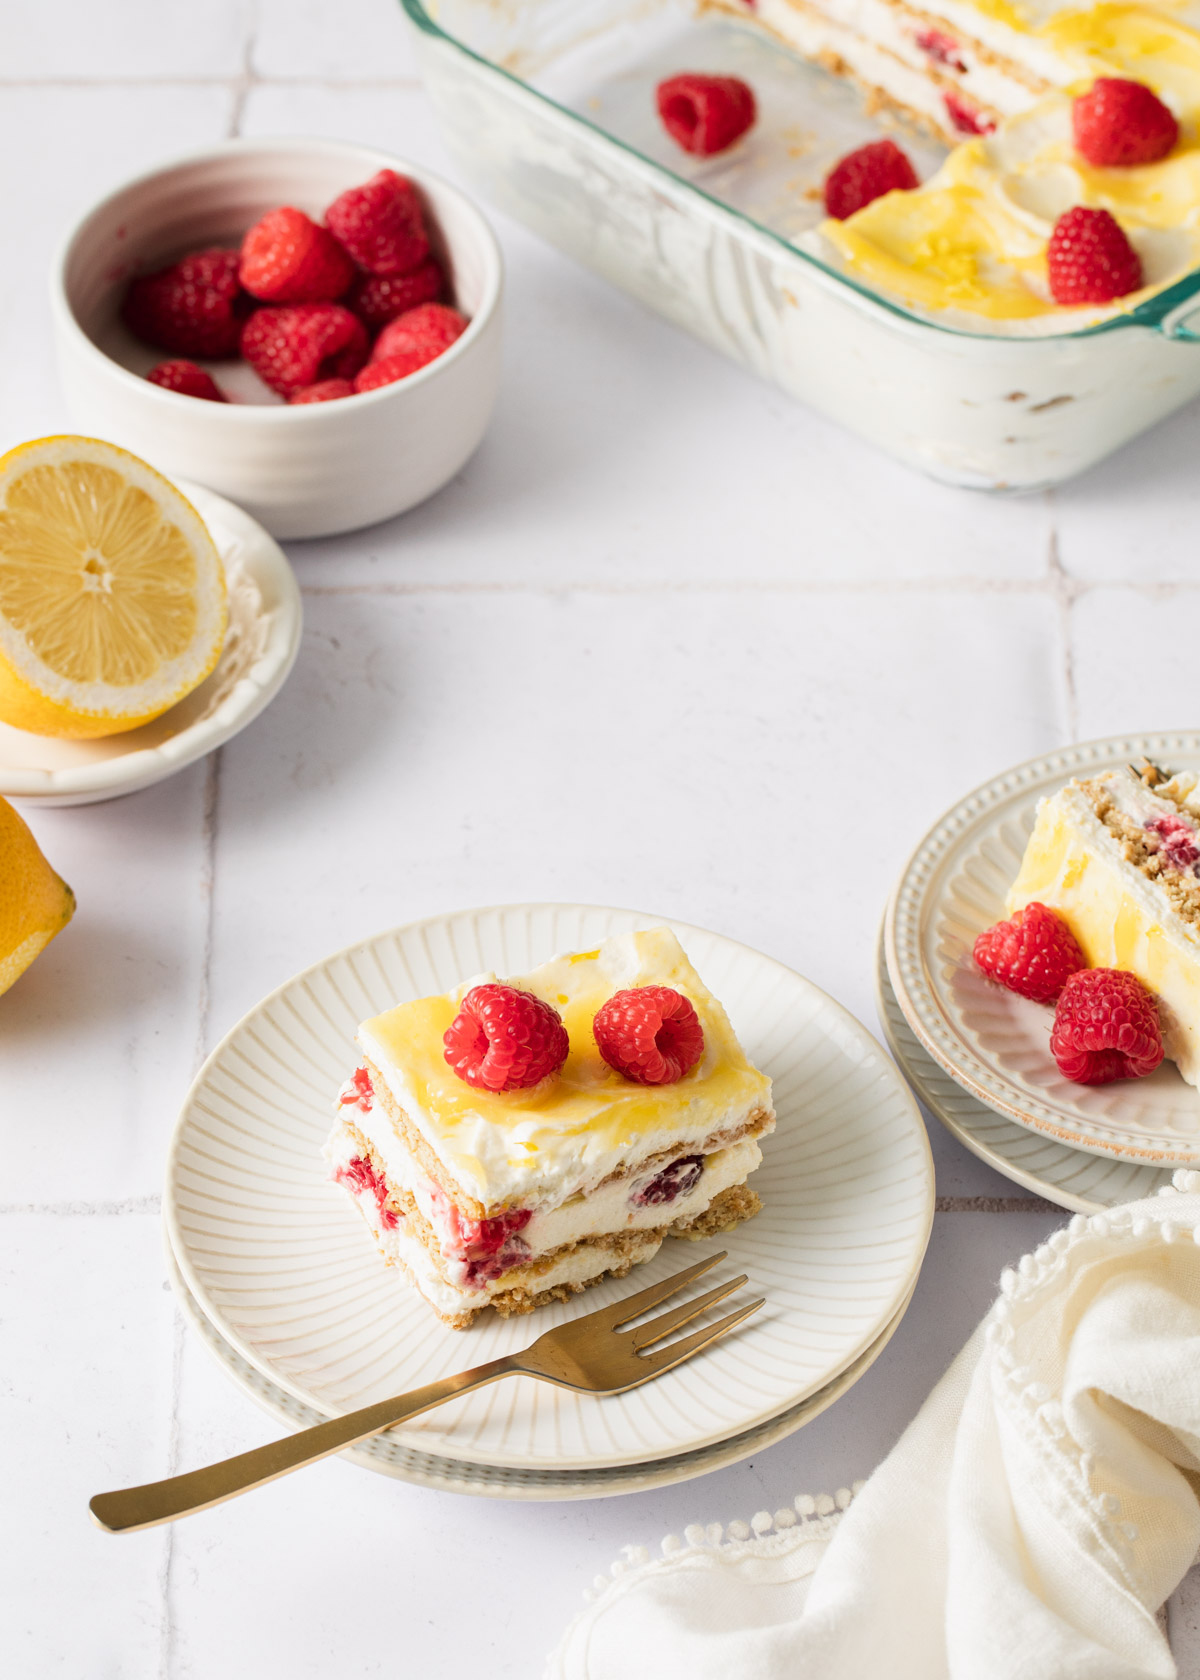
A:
[1155, 312]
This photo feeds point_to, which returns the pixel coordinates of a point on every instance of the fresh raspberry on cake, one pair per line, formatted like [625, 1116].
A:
[381, 224]
[304, 344]
[188, 379]
[426, 332]
[705, 114]
[867, 174]
[1106, 1027]
[1118, 124]
[651, 1034]
[325, 390]
[1089, 259]
[503, 1039]
[1033, 954]
[288, 258]
[378, 298]
[193, 307]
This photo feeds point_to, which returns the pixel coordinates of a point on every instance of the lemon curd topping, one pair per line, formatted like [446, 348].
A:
[1120, 917]
[573, 1129]
[973, 238]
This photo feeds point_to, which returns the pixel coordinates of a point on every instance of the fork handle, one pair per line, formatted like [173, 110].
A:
[125, 1509]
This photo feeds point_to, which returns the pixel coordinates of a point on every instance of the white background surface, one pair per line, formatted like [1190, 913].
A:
[668, 641]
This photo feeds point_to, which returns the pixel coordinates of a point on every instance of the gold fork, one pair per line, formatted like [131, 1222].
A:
[590, 1355]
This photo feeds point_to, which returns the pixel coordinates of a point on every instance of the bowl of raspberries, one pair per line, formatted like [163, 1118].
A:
[309, 327]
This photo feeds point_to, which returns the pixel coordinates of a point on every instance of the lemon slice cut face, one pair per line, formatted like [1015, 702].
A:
[112, 594]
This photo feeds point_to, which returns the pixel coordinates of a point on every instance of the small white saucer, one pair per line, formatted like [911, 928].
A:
[260, 649]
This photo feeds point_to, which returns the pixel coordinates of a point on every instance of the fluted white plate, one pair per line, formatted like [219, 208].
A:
[282, 1264]
[997, 1045]
[1071, 1177]
[383, 1453]
[261, 644]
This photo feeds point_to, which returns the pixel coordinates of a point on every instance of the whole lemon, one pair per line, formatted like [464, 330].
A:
[35, 903]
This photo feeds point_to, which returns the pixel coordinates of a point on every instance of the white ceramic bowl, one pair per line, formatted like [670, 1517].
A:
[308, 471]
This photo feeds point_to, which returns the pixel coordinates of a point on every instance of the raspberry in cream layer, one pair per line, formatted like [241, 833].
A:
[997, 77]
[514, 1198]
[1117, 856]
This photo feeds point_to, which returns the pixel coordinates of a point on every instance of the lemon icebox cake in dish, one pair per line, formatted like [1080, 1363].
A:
[1116, 855]
[1000, 80]
[512, 1142]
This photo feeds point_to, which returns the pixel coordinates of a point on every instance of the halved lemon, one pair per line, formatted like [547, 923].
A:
[35, 903]
[112, 593]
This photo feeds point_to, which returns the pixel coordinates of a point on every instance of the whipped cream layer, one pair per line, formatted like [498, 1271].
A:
[537, 1148]
[613, 1209]
[1120, 917]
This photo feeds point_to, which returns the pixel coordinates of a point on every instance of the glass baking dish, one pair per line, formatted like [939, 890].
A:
[549, 106]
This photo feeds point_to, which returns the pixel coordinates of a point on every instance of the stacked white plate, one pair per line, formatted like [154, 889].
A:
[275, 1266]
[979, 1056]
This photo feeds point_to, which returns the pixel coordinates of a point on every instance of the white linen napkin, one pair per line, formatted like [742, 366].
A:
[1029, 1522]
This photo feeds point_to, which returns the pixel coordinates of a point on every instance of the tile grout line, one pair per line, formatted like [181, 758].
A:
[1058, 587]
[1065, 591]
[208, 870]
[997, 1204]
[246, 80]
[351, 84]
[92, 1210]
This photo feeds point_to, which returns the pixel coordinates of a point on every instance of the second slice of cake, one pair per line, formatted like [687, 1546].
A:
[514, 1197]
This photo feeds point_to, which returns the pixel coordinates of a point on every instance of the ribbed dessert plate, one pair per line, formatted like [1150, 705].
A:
[1071, 1177]
[283, 1266]
[386, 1455]
[260, 649]
[996, 1045]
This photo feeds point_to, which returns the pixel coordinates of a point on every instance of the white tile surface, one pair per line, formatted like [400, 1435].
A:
[663, 642]
[1112, 694]
[85, 1351]
[61, 149]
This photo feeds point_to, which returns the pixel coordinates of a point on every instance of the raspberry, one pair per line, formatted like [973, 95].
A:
[357, 1090]
[426, 331]
[188, 380]
[360, 1177]
[193, 307]
[676, 1180]
[391, 369]
[287, 258]
[1176, 841]
[651, 1034]
[705, 114]
[967, 118]
[326, 390]
[1119, 124]
[503, 1039]
[1089, 259]
[1034, 954]
[942, 49]
[303, 344]
[1105, 1027]
[381, 224]
[378, 298]
[867, 174]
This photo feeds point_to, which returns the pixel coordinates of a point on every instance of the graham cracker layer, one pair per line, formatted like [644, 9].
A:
[1140, 848]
